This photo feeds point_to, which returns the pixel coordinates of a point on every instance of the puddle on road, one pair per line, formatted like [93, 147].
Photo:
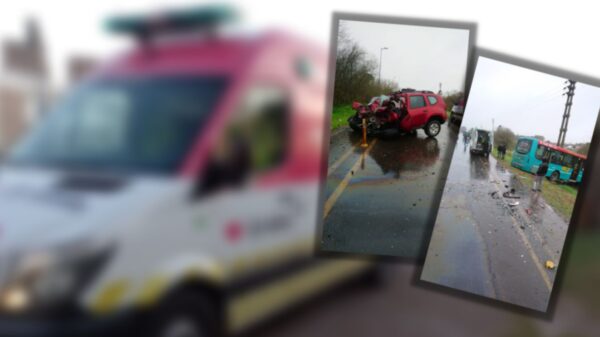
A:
[405, 154]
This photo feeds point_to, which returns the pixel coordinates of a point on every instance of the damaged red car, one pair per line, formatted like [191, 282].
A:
[406, 110]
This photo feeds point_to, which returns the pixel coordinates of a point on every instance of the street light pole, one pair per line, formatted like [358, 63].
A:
[380, 58]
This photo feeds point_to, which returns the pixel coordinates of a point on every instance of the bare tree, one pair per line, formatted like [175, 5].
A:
[452, 98]
[355, 72]
[505, 136]
[583, 149]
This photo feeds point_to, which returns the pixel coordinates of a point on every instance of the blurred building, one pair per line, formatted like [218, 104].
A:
[23, 84]
[80, 66]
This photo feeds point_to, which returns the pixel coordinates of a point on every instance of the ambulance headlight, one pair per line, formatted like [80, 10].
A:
[46, 279]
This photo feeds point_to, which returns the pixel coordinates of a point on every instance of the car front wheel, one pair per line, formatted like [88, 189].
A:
[433, 128]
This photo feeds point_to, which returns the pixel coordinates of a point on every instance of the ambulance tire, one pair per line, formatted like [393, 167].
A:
[184, 314]
[373, 278]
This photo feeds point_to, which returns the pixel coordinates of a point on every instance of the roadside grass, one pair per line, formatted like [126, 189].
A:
[340, 116]
[561, 197]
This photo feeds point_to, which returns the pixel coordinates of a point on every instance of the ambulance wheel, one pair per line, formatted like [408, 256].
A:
[184, 314]
[372, 278]
[433, 128]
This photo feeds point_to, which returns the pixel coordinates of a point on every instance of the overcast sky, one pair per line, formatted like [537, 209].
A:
[417, 57]
[529, 102]
[74, 27]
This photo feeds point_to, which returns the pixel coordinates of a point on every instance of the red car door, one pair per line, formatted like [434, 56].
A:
[418, 110]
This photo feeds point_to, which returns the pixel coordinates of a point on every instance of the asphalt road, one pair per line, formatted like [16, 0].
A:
[492, 245]
[381, 200]
[399, 308]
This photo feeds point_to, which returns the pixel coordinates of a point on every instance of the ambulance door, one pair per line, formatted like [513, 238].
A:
[255, 222]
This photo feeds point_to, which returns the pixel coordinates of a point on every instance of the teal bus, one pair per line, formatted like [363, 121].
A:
[564, 165]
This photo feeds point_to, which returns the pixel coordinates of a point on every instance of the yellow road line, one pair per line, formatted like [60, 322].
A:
[343, 158]
[342, 186]
[534, 257]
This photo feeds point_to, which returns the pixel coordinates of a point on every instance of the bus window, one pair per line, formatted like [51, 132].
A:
[540, 153]
[568, 160]
[524, 146]
[556, 158]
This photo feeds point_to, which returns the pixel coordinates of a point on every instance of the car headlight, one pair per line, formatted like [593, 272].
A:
[45, 279]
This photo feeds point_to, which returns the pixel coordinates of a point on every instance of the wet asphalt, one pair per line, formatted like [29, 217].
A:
[492, 245]
[383, 200]
[396, 307]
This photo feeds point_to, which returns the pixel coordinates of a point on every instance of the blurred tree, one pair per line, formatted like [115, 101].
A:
[539, 137]
[452, 98]
[583, 148]
[355, 73]
[505, 136]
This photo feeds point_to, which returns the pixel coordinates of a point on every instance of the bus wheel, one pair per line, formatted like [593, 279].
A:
[555, 177]
[184, 314]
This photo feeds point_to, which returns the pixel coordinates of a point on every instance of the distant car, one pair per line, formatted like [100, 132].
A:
[481, 142]
[406, 110]
[458, 110]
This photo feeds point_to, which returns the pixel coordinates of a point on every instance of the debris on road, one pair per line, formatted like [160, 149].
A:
[513, 204]
[510, 195]
[550, 265]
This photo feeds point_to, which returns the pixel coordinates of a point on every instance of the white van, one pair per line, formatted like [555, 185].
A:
[174, 193]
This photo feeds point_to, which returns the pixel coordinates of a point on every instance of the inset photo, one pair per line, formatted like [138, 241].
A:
[398, 97]
[515, 176]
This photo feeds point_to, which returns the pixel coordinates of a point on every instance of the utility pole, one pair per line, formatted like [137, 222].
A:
[562, 135]
[380, 56]
[493, 133]
[440, 91]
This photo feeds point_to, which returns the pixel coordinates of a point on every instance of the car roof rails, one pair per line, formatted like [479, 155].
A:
[410, 90]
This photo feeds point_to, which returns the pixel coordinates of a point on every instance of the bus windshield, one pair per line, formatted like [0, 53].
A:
[145, 124]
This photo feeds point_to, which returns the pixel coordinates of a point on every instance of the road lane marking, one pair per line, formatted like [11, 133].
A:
[539, 238]
[345, 181]
[532, 254]
[343, 158]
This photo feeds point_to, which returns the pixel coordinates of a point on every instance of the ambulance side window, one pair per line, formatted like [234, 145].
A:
[254, 142]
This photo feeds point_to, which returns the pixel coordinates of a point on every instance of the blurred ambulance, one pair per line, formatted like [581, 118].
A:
[174, 192]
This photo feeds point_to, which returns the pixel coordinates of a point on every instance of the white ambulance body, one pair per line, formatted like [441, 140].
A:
[175, 192]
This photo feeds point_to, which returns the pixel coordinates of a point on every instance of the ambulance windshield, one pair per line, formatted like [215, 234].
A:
[144, 124]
